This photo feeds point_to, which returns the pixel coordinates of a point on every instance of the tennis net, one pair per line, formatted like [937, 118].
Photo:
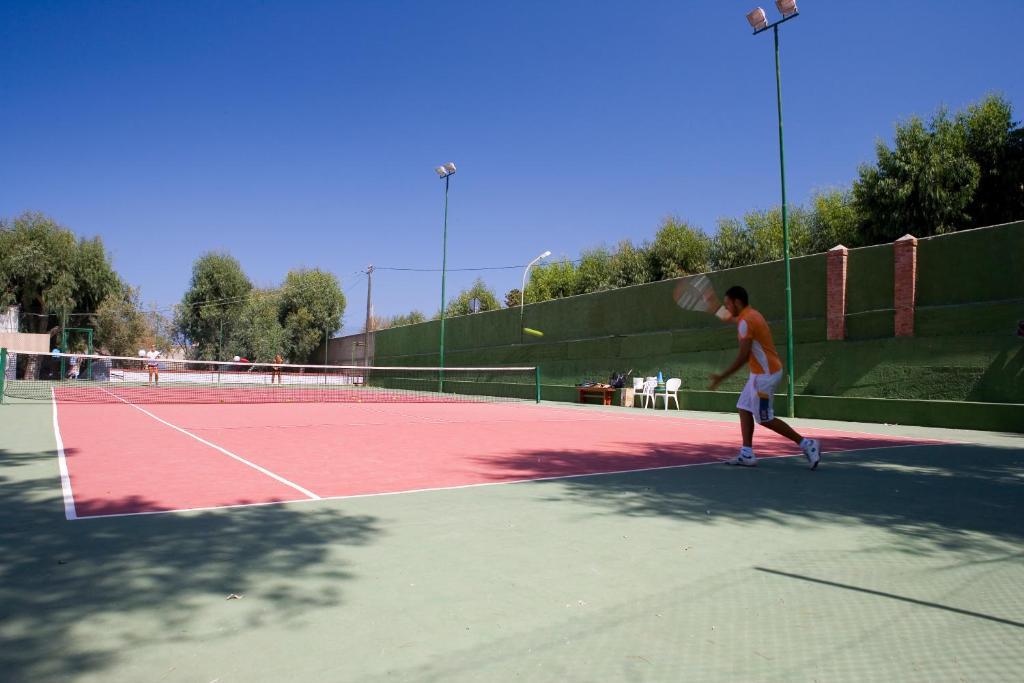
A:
[116, 379]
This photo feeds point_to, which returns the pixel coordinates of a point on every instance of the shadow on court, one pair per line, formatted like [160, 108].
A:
[145, 578]
[936, 497]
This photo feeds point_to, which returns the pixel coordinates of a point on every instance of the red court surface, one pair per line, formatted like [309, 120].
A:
[126, 459]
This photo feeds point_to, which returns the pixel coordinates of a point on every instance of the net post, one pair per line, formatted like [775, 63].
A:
[3, 371]
[536, 373]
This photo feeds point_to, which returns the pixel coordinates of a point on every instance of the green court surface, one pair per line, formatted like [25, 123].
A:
[885, 564]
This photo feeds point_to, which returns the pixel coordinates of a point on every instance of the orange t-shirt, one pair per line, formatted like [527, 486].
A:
[764, 359]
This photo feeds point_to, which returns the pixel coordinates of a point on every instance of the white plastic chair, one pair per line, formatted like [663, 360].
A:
[650, 384]
[638, 384]
[671, 392]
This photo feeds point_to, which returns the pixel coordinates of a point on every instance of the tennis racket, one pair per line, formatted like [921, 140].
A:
[698, 294]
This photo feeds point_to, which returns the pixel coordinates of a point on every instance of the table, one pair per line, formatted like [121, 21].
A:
[605, 393]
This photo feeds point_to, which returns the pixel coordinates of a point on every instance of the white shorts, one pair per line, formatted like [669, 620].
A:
[758, 396]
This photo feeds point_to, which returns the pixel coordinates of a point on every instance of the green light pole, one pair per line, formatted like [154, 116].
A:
[445, 173]
[760, 24]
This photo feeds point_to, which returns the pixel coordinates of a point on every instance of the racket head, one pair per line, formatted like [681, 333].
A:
[696, 293]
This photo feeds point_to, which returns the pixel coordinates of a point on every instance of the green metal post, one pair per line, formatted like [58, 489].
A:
[3, 372]
[444, 267]
[790, 365]
[537, 380]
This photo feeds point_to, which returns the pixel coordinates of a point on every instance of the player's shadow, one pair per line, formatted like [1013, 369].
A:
[155, 572]
[933, 498]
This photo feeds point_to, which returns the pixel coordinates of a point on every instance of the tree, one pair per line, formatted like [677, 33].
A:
[121, 327]
[162, 330]
[212, 306]
[312, 306]
[410, 318]
[679, 249]
[460, 305]
[631, 265]
[258, 335]
[551, 281]
[765, 230]
[732, 246]
[997, 145]
[834, 221]
[513, 298]
[923, 185]
[594, 272]
[54, 276]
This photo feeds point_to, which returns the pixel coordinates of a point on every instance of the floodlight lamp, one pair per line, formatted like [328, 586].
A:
[450, 167]
[545, 254]
[441, 172]
[757, 19]
[786, 8]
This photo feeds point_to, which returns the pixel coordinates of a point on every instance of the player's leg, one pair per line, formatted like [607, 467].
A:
[766, 385]
[746, 406]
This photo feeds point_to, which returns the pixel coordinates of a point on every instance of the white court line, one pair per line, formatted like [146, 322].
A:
[65, 478]
[491, 483]
[215, 447]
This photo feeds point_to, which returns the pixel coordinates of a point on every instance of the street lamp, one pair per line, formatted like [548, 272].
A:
[759, 22]
[444, 172]
[522, 291]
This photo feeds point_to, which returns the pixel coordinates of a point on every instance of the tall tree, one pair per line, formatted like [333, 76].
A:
[923, 184]
[766, 235]
[997, 145]
[551, 281]
[121, 327]
[732, 245]
[594, 271]
[631, 265]
[211, 308]
[513, 298]
[679, 249]
[258, 335]
[834, 221]
[312, 306]
[52, 274]
[461, 304]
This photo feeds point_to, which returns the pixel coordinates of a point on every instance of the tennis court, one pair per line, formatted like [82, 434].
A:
[380, 529]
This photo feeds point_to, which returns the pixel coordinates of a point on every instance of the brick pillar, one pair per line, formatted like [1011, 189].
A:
[905, 284]
[835, 285]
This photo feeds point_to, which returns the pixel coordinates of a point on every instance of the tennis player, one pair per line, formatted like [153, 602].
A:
[758, 351]
[275, 369]
[152, 365]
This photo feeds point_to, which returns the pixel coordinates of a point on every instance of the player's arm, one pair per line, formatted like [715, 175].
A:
[739, 362]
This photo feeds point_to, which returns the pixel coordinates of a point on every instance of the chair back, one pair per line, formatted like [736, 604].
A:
[673, 385]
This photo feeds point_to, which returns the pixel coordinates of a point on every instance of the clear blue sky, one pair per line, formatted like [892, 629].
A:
[305, 133]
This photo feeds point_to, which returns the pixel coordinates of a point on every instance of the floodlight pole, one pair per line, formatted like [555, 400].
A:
[444, 269]
[790, 364]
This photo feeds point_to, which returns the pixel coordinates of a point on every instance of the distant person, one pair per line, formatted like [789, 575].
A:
[758, 351]
[152, 365]
[275, 369]
[73, 366]
[101, 366]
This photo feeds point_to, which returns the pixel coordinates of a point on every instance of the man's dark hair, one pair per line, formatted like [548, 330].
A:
[737, 293]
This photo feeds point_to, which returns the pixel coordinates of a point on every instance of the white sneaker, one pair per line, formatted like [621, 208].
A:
[812, 451]
[743, 460]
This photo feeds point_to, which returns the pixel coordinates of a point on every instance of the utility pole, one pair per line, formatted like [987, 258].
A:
[369, 314]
